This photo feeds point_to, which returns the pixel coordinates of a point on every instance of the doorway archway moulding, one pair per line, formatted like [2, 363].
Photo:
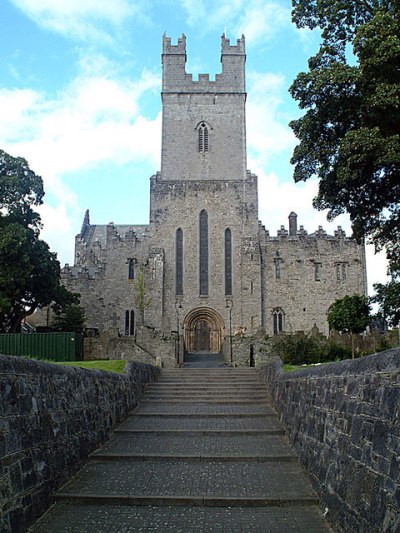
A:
[216, 328]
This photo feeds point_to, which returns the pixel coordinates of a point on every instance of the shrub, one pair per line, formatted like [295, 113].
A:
[297, 349]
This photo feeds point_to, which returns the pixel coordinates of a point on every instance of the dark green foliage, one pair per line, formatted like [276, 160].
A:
[335, 352]
[29, 272]
[70, 318]
[297, 349]
[388, 297]
[350, 314]
[350, 134]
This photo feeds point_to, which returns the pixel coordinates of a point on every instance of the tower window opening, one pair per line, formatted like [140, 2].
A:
[203, 137]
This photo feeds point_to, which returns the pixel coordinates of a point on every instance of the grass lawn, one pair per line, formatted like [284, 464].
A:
[293, 368]
[115, 365]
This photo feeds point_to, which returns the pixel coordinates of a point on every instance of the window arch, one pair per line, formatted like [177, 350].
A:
[203, 253]
[228, 262]
[202, 137]
[179, 262]
[278, 318]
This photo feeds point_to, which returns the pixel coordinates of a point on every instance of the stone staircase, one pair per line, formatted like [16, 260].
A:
[204, 452]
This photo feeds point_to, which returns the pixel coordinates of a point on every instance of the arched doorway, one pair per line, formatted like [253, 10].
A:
[203, 330]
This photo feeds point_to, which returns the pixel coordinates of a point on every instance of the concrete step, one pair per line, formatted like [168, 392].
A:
[222, 444]
[203, 408]
[238, 483]
[204, 422]
[99, 518]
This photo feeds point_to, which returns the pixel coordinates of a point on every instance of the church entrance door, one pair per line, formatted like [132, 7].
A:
[202, 336]
[203, 330]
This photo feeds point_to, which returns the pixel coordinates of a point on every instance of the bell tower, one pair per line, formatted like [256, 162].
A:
[203, 126]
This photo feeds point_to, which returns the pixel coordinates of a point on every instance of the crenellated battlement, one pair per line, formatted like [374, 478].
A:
[174, 49]
[177, 80]
[227, 48]
[294, 234]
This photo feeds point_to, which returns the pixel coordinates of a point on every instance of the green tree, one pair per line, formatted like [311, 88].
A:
[29, 272]
[350, 314]
[70, 318]
[350, 133]
[388, 297]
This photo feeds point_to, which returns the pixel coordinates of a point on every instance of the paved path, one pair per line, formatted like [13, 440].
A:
[204, 452]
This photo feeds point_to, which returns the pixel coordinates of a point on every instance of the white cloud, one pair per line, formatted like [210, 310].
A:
[77, 18]
[262, 21]
[269, 133]
[258, 20]
[94, 120]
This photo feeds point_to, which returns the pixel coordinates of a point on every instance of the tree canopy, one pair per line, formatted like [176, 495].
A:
[350, 133]
[29, 272]
[350, 314]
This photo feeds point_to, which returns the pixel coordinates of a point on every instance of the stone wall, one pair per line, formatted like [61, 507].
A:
[52, 418]
[343, 421]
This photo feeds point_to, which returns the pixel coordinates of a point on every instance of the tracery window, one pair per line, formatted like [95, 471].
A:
[228, 262]
[278, 320]
[203, 137]
[179, 262]
[203, 256]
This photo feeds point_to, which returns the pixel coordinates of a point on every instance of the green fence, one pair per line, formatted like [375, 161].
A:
[53, 346]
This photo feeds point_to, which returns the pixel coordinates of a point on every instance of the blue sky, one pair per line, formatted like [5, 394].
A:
[80, 100]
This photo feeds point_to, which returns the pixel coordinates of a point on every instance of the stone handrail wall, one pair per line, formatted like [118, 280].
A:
[343, 420]
[51, 418]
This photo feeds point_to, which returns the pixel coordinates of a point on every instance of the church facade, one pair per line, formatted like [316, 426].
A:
[205, 269]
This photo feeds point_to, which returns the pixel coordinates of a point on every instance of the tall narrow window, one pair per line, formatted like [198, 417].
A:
[203, 137]
[131, 269]
[203, 253]
[126, 322]
[132, 323]
[277, 261]
[277, 316]
[179, 262]
[317, 271]
[228, 262]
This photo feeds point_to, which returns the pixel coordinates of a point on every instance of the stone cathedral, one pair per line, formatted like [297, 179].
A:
[205, 275]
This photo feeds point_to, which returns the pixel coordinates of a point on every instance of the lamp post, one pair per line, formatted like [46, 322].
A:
[178, 306]
[229, 305]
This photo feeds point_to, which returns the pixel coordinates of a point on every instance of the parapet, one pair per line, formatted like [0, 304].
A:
[227, 48]
[174, 49]
[301, 233]
[177, 80]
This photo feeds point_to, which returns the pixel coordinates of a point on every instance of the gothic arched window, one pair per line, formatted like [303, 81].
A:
[228, 262]
[179, 262]
[203, 137]
[278, 319]
[203, 253]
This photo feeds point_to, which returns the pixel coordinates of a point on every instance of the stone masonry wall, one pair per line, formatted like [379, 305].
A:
[52, 417]
[343, 420]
